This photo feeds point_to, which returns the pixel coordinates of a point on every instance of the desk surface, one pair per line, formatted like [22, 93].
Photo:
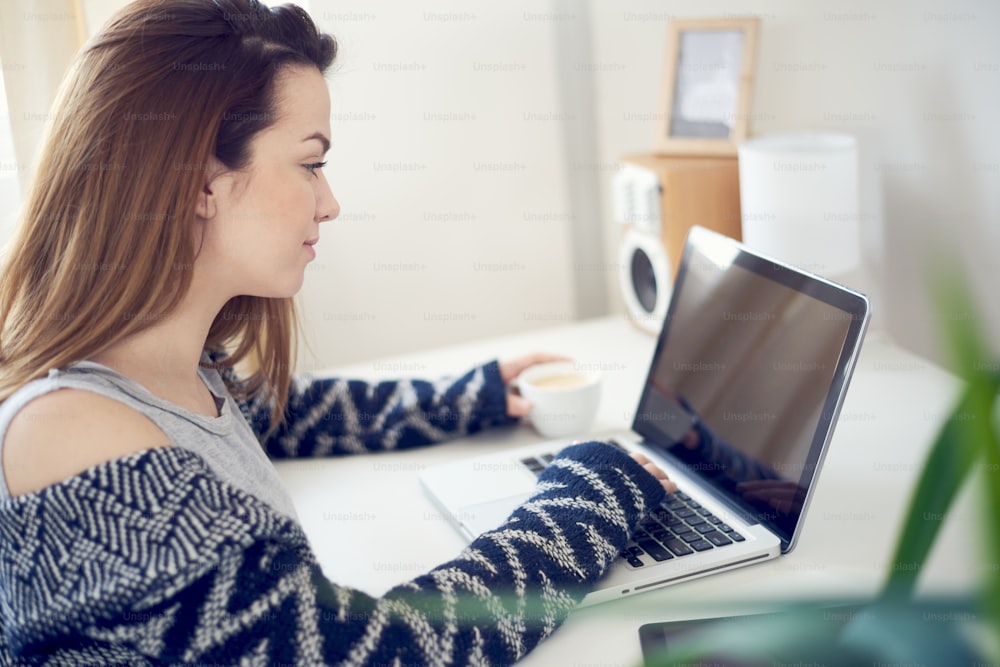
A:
[372, 526]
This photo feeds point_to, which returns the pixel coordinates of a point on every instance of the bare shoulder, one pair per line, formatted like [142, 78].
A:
[62, 433]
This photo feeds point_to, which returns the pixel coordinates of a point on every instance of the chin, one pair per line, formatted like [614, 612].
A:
[284, 290]
[296, 287]
[288, 293]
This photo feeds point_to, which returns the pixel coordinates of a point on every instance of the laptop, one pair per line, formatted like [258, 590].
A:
[739, 405]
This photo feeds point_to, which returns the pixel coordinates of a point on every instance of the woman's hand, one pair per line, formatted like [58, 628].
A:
[655, 471]
[517, 406]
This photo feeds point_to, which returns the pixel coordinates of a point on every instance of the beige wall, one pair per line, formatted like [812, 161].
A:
[448, 162]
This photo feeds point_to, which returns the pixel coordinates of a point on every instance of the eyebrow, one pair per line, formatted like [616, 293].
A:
[322, 139]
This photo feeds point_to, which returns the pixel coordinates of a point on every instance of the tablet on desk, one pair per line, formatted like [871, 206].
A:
[730, 638]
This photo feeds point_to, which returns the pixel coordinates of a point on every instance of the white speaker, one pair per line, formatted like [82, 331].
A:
[645, 278]
[657, 199]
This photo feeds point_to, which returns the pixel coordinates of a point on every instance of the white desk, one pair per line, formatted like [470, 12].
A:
[372, 527]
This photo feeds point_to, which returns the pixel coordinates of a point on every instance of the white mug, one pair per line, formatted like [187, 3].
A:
[564, 398]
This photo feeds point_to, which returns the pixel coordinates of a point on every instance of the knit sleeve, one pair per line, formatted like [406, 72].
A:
[339, 416]
[177, 567]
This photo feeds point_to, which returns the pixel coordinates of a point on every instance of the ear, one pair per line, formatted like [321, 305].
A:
[207, 203]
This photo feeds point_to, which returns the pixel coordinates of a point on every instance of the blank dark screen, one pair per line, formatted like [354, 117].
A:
[741, 380]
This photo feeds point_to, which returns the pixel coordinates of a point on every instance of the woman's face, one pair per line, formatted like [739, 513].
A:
[266, 218]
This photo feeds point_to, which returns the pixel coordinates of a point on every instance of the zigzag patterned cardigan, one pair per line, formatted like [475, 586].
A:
[151, 559]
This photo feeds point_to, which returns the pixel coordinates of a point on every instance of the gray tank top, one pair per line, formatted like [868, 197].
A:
[226, 443]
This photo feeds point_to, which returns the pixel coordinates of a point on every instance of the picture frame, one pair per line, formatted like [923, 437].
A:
[708, 84]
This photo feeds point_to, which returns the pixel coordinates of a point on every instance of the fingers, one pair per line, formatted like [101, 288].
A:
[517, 406]
[668, 485]
[655, 471]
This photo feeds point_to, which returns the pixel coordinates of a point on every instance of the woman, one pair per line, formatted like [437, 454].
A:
[178, 197]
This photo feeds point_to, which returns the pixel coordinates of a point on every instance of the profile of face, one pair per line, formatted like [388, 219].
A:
[259, 223]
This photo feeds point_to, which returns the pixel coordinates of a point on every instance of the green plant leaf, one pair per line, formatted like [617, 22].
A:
[966, 436]
[969, 441]
[946, 468]
[991, 532]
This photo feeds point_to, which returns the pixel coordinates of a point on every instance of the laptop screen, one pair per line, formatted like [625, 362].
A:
[749, 375]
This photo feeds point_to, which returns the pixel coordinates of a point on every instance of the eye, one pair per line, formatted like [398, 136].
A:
[314, 166]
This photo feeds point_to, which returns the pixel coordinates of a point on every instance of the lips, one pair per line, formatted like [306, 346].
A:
[312, 242]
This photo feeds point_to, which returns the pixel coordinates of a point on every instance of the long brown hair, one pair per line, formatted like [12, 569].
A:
[106, 241]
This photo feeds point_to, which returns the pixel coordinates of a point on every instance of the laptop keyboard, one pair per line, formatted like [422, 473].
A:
[678, 527]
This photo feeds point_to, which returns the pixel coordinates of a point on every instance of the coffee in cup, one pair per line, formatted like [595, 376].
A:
[564, 398]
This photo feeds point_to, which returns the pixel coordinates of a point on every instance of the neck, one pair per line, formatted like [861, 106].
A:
[164, 356]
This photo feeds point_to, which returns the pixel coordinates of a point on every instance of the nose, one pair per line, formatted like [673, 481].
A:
[327, 206]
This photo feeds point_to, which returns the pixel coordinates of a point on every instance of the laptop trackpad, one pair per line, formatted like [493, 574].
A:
[477, 518]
